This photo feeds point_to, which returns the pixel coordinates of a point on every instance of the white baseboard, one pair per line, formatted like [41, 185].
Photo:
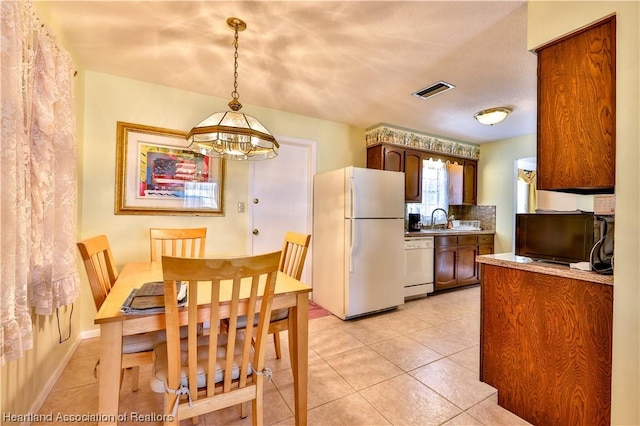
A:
[37, 404]
[44, 393]
[89, 334]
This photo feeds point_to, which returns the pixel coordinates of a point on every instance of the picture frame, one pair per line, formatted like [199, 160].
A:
[157, 174]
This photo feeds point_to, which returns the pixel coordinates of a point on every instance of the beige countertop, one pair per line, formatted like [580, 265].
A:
[443, 232]
[510, 260]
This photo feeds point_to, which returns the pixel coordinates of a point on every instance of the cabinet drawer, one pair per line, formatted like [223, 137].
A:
[485, 239]
[446, 241]
[467, 240]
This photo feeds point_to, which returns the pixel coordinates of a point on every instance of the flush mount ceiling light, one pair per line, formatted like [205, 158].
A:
[492, 116]
[231, 134]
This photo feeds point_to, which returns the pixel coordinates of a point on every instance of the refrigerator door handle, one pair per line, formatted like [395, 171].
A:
[352, 239]
[352, 195]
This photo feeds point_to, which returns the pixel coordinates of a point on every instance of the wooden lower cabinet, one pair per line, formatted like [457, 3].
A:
[445, 267]
[546, 345]
[455, 259]
[467, 266]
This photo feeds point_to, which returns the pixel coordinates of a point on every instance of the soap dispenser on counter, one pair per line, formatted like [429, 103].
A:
[450, 220]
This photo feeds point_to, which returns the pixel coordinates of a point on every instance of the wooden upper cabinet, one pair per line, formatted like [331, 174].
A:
[413, 176]
[409, 161]
[576, 111]
[397, 159]
[470, 187]
[385, 157]
[394, 159]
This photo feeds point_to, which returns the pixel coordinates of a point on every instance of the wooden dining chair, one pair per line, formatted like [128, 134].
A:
[205, 373]
[102, 274]
[294, 253]
[185, 242]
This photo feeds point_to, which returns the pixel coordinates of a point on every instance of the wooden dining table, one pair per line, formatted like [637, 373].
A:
[289, 293]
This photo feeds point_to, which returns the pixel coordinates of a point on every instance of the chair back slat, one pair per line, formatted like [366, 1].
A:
[100, 266]
[294, 253]
[185, 242]
[249, 281]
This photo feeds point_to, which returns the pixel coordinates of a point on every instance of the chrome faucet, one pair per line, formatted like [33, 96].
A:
[434, 212]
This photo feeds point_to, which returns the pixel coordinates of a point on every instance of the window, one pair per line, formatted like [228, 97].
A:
[435, 192]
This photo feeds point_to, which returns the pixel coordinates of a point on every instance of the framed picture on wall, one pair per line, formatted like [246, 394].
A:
[157, 174]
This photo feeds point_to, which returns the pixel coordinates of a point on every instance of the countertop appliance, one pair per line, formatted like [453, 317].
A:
[413, 224]
[419, 266]
[556, 237]
[358, 238]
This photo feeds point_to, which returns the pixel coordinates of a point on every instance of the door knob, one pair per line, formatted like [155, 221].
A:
[256, 232]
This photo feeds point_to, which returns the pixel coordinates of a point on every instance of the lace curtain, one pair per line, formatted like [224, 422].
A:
[435, 192]
[37, 178]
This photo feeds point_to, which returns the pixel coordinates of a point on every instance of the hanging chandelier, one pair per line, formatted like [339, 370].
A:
[231, 134]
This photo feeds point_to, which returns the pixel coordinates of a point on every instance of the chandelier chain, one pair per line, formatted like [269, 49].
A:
[235, 94]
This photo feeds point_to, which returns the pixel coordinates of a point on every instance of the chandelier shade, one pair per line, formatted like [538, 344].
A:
[233, 135]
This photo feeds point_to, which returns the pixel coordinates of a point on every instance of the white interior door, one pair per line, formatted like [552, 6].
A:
[281, 197]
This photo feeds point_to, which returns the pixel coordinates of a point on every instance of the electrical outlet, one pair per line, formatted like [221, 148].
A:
[240, 207]
[604, 204]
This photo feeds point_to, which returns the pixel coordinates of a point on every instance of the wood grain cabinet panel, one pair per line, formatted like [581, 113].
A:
[413, 176]
[394, 159]
[397, 159]
[546, 346]
[470, 178]
[576, 111]
[445, 268]
[467, 266]
[455, 259]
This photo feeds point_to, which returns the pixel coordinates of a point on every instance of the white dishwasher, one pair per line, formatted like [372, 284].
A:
[419, 266]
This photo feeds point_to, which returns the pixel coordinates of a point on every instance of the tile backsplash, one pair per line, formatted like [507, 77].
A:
[485, 214]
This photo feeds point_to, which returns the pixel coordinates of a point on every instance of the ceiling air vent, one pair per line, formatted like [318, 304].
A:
[433, 90]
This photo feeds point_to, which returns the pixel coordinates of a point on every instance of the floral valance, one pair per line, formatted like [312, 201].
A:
[386, 134]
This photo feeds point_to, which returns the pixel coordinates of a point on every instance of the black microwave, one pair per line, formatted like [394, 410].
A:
[558, 237]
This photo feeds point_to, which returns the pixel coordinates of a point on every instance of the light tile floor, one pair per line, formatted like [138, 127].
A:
[417, 365]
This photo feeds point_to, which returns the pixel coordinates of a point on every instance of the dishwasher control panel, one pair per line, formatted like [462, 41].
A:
[418, 243]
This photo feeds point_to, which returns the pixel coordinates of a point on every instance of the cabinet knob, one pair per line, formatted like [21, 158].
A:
[256, 232]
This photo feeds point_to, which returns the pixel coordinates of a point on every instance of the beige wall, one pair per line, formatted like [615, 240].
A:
[497, 185]
[548, 20]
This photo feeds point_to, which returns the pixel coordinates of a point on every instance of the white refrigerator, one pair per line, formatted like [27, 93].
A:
[358, 241]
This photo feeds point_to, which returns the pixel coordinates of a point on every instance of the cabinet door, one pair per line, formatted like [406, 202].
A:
[576, 111]
[393, 159]
[445, 267]
[485, 249]
[456, 183]
[467, 267]
[470, 178]
[375, 157]
[485, 244]
[413, 176]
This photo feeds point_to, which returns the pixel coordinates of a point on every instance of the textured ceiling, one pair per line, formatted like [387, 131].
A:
[355, 62]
